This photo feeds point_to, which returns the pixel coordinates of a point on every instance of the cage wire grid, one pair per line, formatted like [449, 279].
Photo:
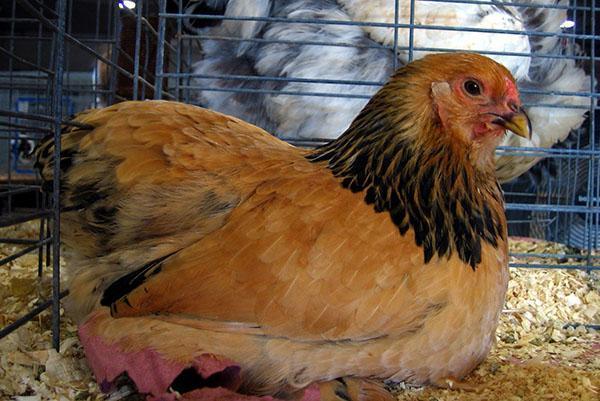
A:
[64, 56]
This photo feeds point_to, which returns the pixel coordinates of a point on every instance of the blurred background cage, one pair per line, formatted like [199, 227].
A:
[60, 57]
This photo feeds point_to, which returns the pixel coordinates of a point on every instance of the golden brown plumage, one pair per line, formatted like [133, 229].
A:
[380, 255]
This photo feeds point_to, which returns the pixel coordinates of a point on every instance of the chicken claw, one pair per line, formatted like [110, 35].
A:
[353, 389]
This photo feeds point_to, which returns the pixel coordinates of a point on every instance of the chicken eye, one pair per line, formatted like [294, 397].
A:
[472, 88]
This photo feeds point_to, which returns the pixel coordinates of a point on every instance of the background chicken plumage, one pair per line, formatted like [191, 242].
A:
[382, 254]
[362, 58]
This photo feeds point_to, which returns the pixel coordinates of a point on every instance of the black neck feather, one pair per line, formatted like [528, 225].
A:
[450, 205]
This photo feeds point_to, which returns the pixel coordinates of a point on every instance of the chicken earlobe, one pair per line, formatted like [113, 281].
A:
[440, 88]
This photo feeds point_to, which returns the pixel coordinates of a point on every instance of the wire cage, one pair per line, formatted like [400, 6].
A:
[291, 66]
[58, 58]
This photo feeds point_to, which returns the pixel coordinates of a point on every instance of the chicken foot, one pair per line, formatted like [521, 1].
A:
[353, 389]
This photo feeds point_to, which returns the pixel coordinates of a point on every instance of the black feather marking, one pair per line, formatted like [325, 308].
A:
[378, 207]
[398, 214]
[465, 177]
[428, 250]
[44, 151]
[385, 162]
[426, 186]
[460, 228]
[499, 230]
[341, 391]
[475, 253]
[394, 199]
[46, 147]
[66, 160]
[105, 215]
[435, 190]
[441, 232]
[488, 219]
[370, 196]
[452, 175]
[342, 394]
[86, 194]
[477, 222]
[125, 284]
[466, 205]
[355, 186]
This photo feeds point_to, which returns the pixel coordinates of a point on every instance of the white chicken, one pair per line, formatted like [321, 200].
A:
[454, 15]
[322, 46]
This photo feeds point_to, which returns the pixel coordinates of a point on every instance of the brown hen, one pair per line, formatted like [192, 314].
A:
[196, 238]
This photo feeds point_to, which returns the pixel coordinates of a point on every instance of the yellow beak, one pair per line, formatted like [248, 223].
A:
[517, 122]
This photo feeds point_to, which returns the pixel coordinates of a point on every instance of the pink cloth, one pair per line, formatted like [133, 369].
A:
[153, 374]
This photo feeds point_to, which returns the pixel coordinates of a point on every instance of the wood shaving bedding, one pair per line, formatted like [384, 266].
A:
[535, 357]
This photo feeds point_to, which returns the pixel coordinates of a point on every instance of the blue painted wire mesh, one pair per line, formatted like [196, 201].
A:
[61, 57]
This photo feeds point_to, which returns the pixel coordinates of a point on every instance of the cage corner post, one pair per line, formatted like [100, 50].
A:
[59, 61]
[160, 49]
